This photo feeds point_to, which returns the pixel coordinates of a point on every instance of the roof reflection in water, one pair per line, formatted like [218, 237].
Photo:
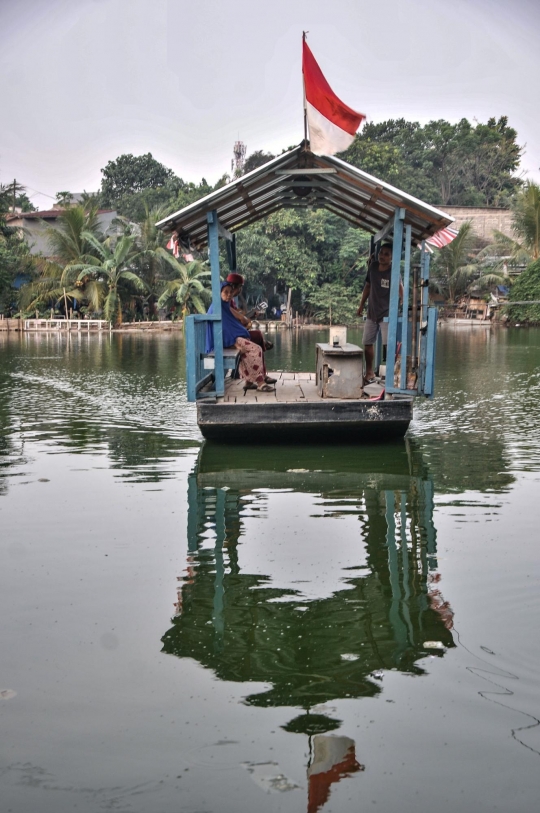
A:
[310, 644]
[245, 628]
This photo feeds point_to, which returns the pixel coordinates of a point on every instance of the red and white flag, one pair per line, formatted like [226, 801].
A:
[173, 246]
[332, 124]
[442, 238]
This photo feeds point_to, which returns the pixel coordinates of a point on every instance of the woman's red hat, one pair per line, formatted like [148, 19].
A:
[235, 279]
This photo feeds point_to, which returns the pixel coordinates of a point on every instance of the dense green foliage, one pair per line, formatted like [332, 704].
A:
[316, 254]
[527, 218]
[15, 259]
[14, 195]
[130, 174]
[519, 251]
[135, 184]
[257, 159]
[526, 288]
[306, 251]
[442, 163]
[458, 269]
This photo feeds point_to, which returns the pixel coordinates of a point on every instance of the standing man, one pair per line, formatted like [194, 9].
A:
[377, 289]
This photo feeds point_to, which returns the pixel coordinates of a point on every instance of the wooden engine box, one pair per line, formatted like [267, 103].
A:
[340, 370]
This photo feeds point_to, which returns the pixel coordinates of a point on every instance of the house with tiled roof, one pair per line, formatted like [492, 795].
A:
[34, 225]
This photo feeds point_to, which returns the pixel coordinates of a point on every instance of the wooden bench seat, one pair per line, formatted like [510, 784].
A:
[230, 358]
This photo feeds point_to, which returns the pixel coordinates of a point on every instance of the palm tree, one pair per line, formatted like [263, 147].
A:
[9, 194]
[525, 247]
[153, 268]
[102, 275]
[45, 290]
[454, 265]
[458, 272]
[187, 289]
[67, 242]
[64, 199]
[527, 218]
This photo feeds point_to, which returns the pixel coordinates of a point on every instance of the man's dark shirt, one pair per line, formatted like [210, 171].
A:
[379, 292]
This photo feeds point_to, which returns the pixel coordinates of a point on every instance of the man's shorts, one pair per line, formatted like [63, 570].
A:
[372, 330]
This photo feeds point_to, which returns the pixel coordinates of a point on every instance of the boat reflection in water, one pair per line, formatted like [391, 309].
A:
[313, 570]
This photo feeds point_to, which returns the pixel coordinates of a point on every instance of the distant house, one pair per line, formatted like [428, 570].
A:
[34, 225]
[472, 307]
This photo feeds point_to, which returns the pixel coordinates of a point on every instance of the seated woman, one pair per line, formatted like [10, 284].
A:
[237, 281]
[251, 367]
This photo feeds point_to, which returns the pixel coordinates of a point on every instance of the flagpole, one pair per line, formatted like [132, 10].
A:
[304, 88]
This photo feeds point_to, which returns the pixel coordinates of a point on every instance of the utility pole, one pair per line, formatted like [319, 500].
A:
[14, 193]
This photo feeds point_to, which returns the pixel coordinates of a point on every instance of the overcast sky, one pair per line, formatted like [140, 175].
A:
[84, 81]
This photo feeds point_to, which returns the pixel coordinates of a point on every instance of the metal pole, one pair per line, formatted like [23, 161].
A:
[405, 309]
[393, 313]
[414, 319]
[304, 88]
[213, 251]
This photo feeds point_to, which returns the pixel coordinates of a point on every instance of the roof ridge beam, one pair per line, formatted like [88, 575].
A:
[306, 171]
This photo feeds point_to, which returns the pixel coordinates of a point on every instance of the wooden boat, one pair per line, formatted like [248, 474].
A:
[301, 408]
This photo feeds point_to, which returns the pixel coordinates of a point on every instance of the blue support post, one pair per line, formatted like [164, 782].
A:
[213, 251]
[431, 349]
[393, 313]
[191, 356]
[423, 322]
[405, 308]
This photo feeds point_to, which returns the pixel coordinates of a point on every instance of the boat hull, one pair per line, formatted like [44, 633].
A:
[320, 421]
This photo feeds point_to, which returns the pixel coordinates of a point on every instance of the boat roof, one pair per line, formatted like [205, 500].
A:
[298, 179]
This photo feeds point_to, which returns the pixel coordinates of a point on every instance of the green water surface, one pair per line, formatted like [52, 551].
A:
[195, 628]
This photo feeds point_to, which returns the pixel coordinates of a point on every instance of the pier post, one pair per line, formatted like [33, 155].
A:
[213, 251]
[405, 308]
[393, 313]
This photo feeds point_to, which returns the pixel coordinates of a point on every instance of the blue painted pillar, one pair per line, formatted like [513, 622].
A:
[423, 321]
[405, 308]
[393, 313]
[213, 251]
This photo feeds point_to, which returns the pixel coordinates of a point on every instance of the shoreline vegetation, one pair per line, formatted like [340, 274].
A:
[124, 273]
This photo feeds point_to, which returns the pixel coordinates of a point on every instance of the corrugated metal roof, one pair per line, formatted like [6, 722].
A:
[298, 179]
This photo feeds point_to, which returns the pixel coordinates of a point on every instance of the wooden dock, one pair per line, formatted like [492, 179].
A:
[53, 325]
[295, 411]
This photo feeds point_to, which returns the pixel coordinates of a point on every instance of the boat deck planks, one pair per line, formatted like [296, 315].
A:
[293, 410]
[289, 388]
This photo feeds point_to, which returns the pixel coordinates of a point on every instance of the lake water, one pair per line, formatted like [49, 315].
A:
[208, 629]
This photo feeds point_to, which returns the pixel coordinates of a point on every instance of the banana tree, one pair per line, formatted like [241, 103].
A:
[102, 276]
[187, 289]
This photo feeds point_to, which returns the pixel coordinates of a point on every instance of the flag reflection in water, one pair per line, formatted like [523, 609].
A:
[334, 758]
[314, 573]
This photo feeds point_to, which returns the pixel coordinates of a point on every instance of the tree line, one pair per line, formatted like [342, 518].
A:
[129, 274]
